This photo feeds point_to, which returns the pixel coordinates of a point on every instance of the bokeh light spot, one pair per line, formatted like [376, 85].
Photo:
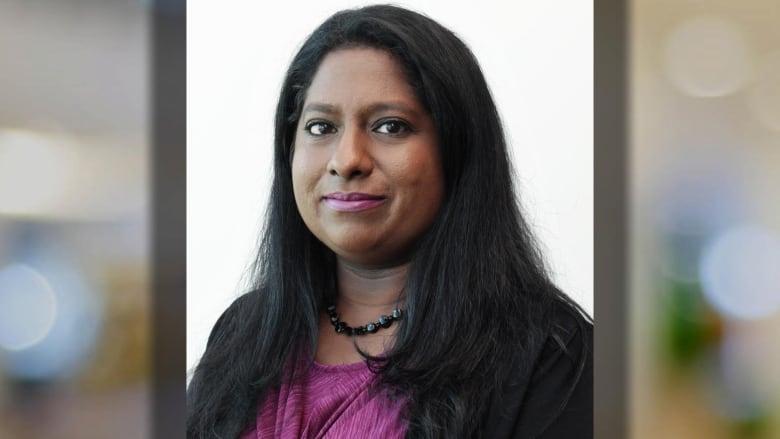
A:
[28, 307]
[707, 57]
[740, 273]
[33, 171]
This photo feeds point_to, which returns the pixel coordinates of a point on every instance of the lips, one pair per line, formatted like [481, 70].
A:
[353, 201]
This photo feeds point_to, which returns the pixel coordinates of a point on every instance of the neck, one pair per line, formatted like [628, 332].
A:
[364, 294]
[364, 287]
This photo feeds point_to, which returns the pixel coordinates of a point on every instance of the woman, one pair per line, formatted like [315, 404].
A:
[398, 290]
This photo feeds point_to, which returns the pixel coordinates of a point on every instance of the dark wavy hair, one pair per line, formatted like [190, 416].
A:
[477, 293]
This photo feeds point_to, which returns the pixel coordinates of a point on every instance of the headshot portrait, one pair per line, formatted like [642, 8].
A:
[397, 242]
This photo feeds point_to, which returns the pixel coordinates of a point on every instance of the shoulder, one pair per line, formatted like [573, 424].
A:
[234, 315]
[569, 338]
[551, 393]
[559, 400]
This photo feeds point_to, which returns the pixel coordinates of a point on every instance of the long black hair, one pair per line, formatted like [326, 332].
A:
[477, 293]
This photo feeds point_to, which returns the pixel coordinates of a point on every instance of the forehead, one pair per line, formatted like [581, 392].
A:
[357, 75]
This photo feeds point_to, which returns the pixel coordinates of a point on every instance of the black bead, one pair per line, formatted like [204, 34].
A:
[384, 321]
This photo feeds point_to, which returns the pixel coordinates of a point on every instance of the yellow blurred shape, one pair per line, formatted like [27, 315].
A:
[49, 175]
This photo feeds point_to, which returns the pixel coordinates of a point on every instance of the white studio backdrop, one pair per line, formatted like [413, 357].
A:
[538, 61]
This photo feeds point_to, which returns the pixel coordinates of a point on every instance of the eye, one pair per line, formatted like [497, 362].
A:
[393, 127]
[319, 128]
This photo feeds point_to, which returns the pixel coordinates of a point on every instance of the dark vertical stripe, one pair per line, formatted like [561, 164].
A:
[610, 246]
[169, 216]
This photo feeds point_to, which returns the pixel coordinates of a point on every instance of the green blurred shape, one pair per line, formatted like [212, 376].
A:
[757, 426]
[689, 326]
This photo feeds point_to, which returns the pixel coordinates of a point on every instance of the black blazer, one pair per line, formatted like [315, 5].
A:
[531, 407]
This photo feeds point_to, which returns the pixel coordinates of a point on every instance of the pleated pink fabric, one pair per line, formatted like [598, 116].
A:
[330, 402]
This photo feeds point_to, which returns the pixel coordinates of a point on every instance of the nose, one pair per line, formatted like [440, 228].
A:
[351, 157]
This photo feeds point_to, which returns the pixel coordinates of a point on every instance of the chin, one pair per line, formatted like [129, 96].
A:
[372, 257]
[355, 253]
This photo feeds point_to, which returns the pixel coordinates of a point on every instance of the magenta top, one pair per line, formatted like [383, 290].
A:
[330, 402]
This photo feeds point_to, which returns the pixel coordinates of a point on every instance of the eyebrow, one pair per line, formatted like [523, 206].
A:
[317, 107]
[321, 107]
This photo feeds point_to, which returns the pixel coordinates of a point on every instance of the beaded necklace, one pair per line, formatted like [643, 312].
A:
[369, 328]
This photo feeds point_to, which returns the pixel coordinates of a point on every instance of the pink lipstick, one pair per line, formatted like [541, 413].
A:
[352, 202]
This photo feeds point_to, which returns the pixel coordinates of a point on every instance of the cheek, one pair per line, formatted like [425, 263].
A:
[434, 182]
[297, 180]
[302, 183]
[434, 193]
[425, 174]
[305, 172]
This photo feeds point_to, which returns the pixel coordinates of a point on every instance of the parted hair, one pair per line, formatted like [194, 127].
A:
[477, 294]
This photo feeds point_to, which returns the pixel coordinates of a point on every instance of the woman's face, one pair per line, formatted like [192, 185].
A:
[366, 171]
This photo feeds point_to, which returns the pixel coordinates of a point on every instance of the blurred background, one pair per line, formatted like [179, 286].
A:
[74, 238]
[74, 208]
[704, 218]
